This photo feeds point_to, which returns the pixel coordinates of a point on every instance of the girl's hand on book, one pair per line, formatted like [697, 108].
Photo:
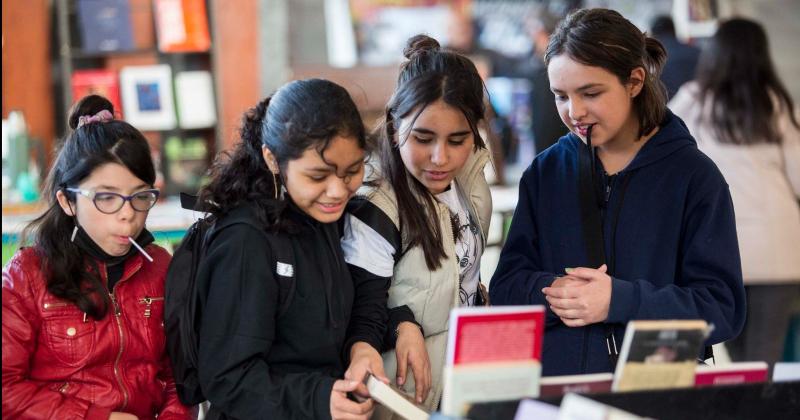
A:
[411, 350]
[585, 304]
[364, 359]
[343, 408]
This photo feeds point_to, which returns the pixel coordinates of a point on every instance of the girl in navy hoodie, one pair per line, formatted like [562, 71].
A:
[666, 246]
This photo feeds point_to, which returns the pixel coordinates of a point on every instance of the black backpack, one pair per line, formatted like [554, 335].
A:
[182, 299]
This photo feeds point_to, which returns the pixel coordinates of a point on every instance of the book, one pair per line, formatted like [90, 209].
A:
[194, 97]
[395, 399]
[147, 96]
[593, 383]
[577, 407]
[97, 81]
[731, 374]
[493, 354]
[182, 26]
[659, 354]
[105, 25]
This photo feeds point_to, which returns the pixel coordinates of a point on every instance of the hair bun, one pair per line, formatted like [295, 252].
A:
[420, 44]
[88, 105]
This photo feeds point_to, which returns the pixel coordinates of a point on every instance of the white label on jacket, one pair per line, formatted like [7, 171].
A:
[285, 270]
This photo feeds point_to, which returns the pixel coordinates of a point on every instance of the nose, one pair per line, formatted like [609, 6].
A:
[577, 109]
[337, 188]
[127, 211]
[439, 154]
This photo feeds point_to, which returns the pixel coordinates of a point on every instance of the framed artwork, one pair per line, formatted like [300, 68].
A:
[147, 97]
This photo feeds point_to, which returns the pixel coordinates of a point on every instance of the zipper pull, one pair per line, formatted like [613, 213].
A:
[608, 191]
[148, 301]
[117, 310]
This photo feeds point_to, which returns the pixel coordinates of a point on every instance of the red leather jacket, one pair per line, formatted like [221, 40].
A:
[59, 364]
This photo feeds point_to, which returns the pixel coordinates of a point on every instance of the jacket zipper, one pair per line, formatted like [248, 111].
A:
[63, 388]
[52, 305]
[148, 302]
[117, 314]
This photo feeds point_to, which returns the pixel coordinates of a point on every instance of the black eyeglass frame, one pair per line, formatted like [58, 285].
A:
[92, 195]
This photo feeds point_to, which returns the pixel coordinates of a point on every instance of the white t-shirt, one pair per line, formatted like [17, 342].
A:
[468, 245]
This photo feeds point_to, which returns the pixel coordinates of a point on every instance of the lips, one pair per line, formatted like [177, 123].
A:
[330, 207]
[437, 175]
[582, 129]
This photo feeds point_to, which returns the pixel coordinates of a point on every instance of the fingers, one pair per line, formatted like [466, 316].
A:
[344, 408]
[421, 368]
[588, 273]
[402, 366]
[562, 292]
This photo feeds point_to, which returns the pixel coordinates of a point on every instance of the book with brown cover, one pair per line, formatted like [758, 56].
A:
[593, 383]
[659, 354]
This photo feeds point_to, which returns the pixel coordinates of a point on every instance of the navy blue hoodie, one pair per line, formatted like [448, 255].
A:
[669, 234]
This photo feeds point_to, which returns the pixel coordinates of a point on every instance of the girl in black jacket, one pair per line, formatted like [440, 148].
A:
[266, 356]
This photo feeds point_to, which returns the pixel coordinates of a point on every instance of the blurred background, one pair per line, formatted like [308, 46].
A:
[184, 71]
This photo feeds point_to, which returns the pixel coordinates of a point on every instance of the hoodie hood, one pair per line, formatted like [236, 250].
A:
[672, 136]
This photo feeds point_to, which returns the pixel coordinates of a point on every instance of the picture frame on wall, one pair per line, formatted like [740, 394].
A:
[147, 97]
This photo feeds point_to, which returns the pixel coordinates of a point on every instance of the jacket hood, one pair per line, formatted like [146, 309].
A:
[672, 136]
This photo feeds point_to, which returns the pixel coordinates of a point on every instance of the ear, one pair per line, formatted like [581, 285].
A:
[636, 81]
[63, 201]
[270, 160]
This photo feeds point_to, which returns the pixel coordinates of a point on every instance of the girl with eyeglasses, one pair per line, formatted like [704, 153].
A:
[82, 331]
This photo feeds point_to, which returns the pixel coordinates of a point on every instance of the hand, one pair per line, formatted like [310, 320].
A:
[567, 281]
[343, 408]
[579, 305]
[364, 359]
[410, 349]
[117, 415]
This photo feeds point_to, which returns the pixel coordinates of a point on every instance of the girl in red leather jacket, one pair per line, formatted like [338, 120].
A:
[83, 306]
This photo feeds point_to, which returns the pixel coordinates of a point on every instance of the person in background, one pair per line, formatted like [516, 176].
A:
[545, 122]
[423, 220]
[629, 170]
[681, 58]
[83, 306]
[286, 184]
[744, 119]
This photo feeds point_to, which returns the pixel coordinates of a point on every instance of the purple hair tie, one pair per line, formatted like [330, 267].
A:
[102, 116]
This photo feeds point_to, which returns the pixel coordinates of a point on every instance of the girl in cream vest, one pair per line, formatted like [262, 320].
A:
[422, 222]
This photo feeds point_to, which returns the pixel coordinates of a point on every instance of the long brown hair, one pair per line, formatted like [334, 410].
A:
[429, 74]
[737, 75]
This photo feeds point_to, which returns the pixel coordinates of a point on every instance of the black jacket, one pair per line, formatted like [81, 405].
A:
[254, 364]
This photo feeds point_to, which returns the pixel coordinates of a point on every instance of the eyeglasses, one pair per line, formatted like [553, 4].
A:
[110, 202]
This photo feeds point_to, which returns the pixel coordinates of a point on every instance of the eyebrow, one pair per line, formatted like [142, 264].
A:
[112, 188]
[423, 130]
[580, 89]
[332, 168]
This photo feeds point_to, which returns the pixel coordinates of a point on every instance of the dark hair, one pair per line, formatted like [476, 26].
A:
[85, 148]
[429, 74]
[300, 115]
[603, 38]
[662, 25]
[736, 74]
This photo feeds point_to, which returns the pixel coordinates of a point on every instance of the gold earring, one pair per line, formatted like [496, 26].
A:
[275, 183]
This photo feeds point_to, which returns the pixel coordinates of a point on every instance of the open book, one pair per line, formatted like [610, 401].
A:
[659, 354]
[395, 399]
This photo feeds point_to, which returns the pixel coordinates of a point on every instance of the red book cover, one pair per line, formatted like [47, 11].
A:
[501, 334]
[594, 383]
[97, 81]
[182, 26]
[731, 374]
